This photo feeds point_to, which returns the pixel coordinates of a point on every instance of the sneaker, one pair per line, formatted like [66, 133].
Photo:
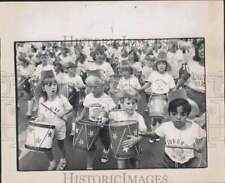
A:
[157, 140]
[61, 165]
[104, 158]
[52, 165]
[151, 141]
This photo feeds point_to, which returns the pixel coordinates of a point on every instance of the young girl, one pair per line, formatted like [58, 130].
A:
[129, 104]
[128, 80]
[183, 137]
[161, 83]
[96, 103]
[52, 107]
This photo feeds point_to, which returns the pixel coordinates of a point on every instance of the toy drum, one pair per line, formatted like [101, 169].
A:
[40, 136]
[158, 106]
[118, 131]
[86, 133]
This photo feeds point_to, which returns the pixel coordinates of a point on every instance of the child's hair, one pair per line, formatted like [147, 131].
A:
[98, 50]
[129, 96]
[173, 105]
[136, 57]
[45, 81]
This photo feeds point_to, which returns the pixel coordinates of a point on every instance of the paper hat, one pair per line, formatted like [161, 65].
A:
[177, 94]
[47, 74]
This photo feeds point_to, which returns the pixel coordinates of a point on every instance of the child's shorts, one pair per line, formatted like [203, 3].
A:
[60, 132]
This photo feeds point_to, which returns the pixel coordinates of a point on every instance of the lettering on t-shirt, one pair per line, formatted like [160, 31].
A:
[160, 86]
[95, 111]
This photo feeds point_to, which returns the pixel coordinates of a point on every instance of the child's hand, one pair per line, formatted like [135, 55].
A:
[131, 141]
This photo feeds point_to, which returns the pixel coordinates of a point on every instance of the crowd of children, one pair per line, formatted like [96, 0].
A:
[75, 80]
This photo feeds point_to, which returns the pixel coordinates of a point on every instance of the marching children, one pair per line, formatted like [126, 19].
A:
[183, 137]
[52, 110]
[129, 101]
[97, 103]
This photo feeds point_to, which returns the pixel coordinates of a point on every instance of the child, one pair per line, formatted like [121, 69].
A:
[52, 108]
[129, 101]
[73, 87]
[96, 103]
[182, 136]
[161, 83]
[128, 80]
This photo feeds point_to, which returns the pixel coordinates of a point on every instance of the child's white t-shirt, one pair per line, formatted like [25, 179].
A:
[121, 115]
[197, 79]
[60, 105]
[98, 105]
[161, 83]
[176, 137]
[131, 82]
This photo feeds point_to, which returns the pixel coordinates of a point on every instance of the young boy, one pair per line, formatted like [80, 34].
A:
[183, 137]
[129, 101]
[96, 103]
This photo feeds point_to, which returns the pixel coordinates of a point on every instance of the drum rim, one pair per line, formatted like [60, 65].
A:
[37, 148]
[42, 125]
[112, 123]
[88, 122]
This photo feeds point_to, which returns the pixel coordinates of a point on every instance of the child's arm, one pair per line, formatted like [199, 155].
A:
[131, 141]
[145, 86]
[200, 144]
[82, 114]
[150, 134]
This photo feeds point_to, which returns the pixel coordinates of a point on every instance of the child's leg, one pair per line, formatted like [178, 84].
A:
[105, 139]
[122, 163]
[62, 148]
[62, 162]
[90, 160]
[52, 163]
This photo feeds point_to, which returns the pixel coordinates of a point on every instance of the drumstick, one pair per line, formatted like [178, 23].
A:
[180, 147]
[53, 112]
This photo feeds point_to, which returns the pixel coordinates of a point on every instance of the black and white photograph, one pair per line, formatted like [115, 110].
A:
[110, 104]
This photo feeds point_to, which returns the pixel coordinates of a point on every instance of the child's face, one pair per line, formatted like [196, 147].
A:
[96, 88]
[100, 57]
[50, 88]
[44, 60]
[179, 117]
[71, 70]
[161, 67]
[125, 73]
[129, 105]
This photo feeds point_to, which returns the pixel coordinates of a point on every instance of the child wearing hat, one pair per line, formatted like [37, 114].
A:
[97, 102]
[159, 82]
[128, 100]
[52, 110]
[183, 137]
